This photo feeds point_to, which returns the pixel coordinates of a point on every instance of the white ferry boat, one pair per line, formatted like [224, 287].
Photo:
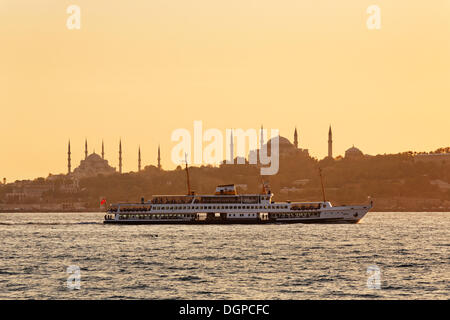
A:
[226, 206]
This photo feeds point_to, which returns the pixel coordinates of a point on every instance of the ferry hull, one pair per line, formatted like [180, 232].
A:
[235, 211]
[218, 222]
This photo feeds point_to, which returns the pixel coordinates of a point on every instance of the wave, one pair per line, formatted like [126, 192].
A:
[189, 278]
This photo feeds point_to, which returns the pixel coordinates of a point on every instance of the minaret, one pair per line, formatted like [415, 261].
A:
[139, 159]
[103, 150]
[120, 156]
[159, 158]
[85, 150]
[330, 143]
[69, 167]
[295, 138]
[261, 137]
[231, 147]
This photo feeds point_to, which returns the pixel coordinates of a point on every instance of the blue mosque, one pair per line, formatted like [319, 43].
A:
[94, 164]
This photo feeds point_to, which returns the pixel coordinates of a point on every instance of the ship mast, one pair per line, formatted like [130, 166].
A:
[187, 176]
[321, 182]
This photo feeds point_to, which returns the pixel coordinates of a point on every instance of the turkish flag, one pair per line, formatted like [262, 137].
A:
[103, 201]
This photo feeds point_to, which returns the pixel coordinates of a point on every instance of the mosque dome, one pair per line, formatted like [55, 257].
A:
[353, 152]
[282, 142]
[91, 166]
[285, 147]
[94, 157]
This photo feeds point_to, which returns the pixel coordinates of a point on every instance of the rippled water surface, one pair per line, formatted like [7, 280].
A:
[224, 262]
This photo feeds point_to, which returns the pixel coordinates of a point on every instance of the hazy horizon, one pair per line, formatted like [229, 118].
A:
[137, 71]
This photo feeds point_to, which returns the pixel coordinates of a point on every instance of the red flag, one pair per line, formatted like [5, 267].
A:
[103, 201]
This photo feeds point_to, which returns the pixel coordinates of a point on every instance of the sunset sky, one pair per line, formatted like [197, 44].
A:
[141, 69]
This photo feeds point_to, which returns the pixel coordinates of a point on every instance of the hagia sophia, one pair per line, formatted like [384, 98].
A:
[94, 163]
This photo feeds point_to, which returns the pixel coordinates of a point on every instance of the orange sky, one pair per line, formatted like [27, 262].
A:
[140, 69]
